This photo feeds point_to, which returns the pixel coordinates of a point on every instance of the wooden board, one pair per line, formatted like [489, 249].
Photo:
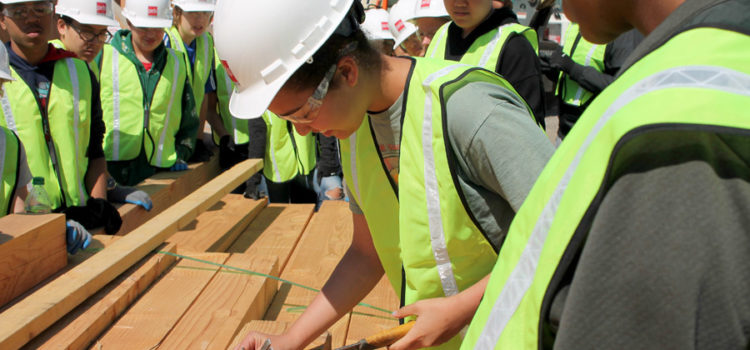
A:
[230, 300]
[149, 320]
[275, 232]
[275, 328]
[366, 321]
[166, 188]
[217, 228]
[84, 324]
[321, 247]
[38, 311]
[32, 248]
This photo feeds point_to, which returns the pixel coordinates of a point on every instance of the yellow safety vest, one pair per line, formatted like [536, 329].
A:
[61, 161]
[204, 54]
[690, 85]
[131, 123]
[287, 152]
[584, 53]
[10, 153]
[224, 87]
[92, 65]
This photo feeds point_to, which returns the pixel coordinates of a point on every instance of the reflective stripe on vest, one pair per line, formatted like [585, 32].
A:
[584, 53]
[201, 68]
[125, 112]
[485, 51]
[9, 153]
[92, 65]
[69, 110]
[224, 88]
[670, 86]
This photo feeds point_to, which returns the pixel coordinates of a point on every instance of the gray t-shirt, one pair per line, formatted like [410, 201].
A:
[499, 150]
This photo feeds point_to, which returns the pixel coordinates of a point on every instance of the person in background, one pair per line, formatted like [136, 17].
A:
[491, 38]
[377, 30]
[582, 70]
[53, 106]
[429, 16]
[146, 97]
[189, 35]
[635, 235]
[82, 26]
[404, 32]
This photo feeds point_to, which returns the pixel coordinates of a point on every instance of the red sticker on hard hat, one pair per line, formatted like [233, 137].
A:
[101, 8]
[153, 11]
[400, 25]
[229, 71]
[384, 25]
[425, 3]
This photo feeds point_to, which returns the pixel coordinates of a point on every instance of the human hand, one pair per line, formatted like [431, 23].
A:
[331, 185]
[252, 187]
[179, 165]
[132, 195]
[438, 320]
[76, 236]
[255, 340]
[551, 54]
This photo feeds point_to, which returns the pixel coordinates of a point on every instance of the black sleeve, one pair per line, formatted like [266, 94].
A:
[520, 65]
[665, 265]
[328, 163]
[256, 146]
[98, 128]
[618, 50]
[589, 78]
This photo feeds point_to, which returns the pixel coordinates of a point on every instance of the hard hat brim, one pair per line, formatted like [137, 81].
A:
[252, 102]
[92, 20]
[197, 7]
[407, 33]
[150, 23]
[6, 76]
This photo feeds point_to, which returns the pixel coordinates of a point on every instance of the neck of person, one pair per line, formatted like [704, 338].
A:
[32, 55]
[646, 15]
[466, 31]
[393, 74]
[187, 37]
[143, 56]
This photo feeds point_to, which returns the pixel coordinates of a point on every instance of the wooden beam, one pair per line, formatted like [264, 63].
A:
[84, 324]
[230, 300]
[165, 188]
[32, 315]
[218, 227]
[32, 248]
[275, 232]
[321, 247]
[323, 342]
[149, 320]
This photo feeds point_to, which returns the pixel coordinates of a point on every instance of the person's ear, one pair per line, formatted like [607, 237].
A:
[349, 70]
[61, 26]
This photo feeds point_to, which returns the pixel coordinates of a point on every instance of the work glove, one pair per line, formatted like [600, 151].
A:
[252, 187]
[96, 213]
[201, 153]
[331, 188]
[551, 55]
[124, 194]
[76, 236]
[229, 153]
[179, 165]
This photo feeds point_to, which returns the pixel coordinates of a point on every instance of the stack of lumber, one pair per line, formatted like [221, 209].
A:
[192, 275]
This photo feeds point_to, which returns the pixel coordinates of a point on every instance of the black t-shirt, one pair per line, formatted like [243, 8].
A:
[39, 78]
[518, 62]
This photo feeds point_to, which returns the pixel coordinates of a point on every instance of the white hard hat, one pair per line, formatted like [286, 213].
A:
[376, 25]
[148, 13]
[97, 12]
[430, 8]
[398, 21]
[286, 34]
[4, 67]
[195, 5]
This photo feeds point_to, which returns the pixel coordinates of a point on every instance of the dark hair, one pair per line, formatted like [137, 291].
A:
[310, 74]
[66, 19]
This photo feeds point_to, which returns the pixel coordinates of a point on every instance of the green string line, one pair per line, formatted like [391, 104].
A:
[250, 272]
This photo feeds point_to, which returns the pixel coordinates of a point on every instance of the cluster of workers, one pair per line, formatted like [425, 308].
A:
[626, 229]
[97, 110]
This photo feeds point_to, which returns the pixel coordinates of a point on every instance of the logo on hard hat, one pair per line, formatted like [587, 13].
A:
[384, 25]
[229, 72]
[425, 3]
[400, 25]
[153, 11]
[101, 8]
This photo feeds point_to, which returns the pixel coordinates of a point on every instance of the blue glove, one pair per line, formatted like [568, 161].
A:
[123, 194]
[179, 165]
[331, 188]
[76, 236]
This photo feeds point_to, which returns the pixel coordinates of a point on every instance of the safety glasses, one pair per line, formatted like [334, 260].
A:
[22, 11]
